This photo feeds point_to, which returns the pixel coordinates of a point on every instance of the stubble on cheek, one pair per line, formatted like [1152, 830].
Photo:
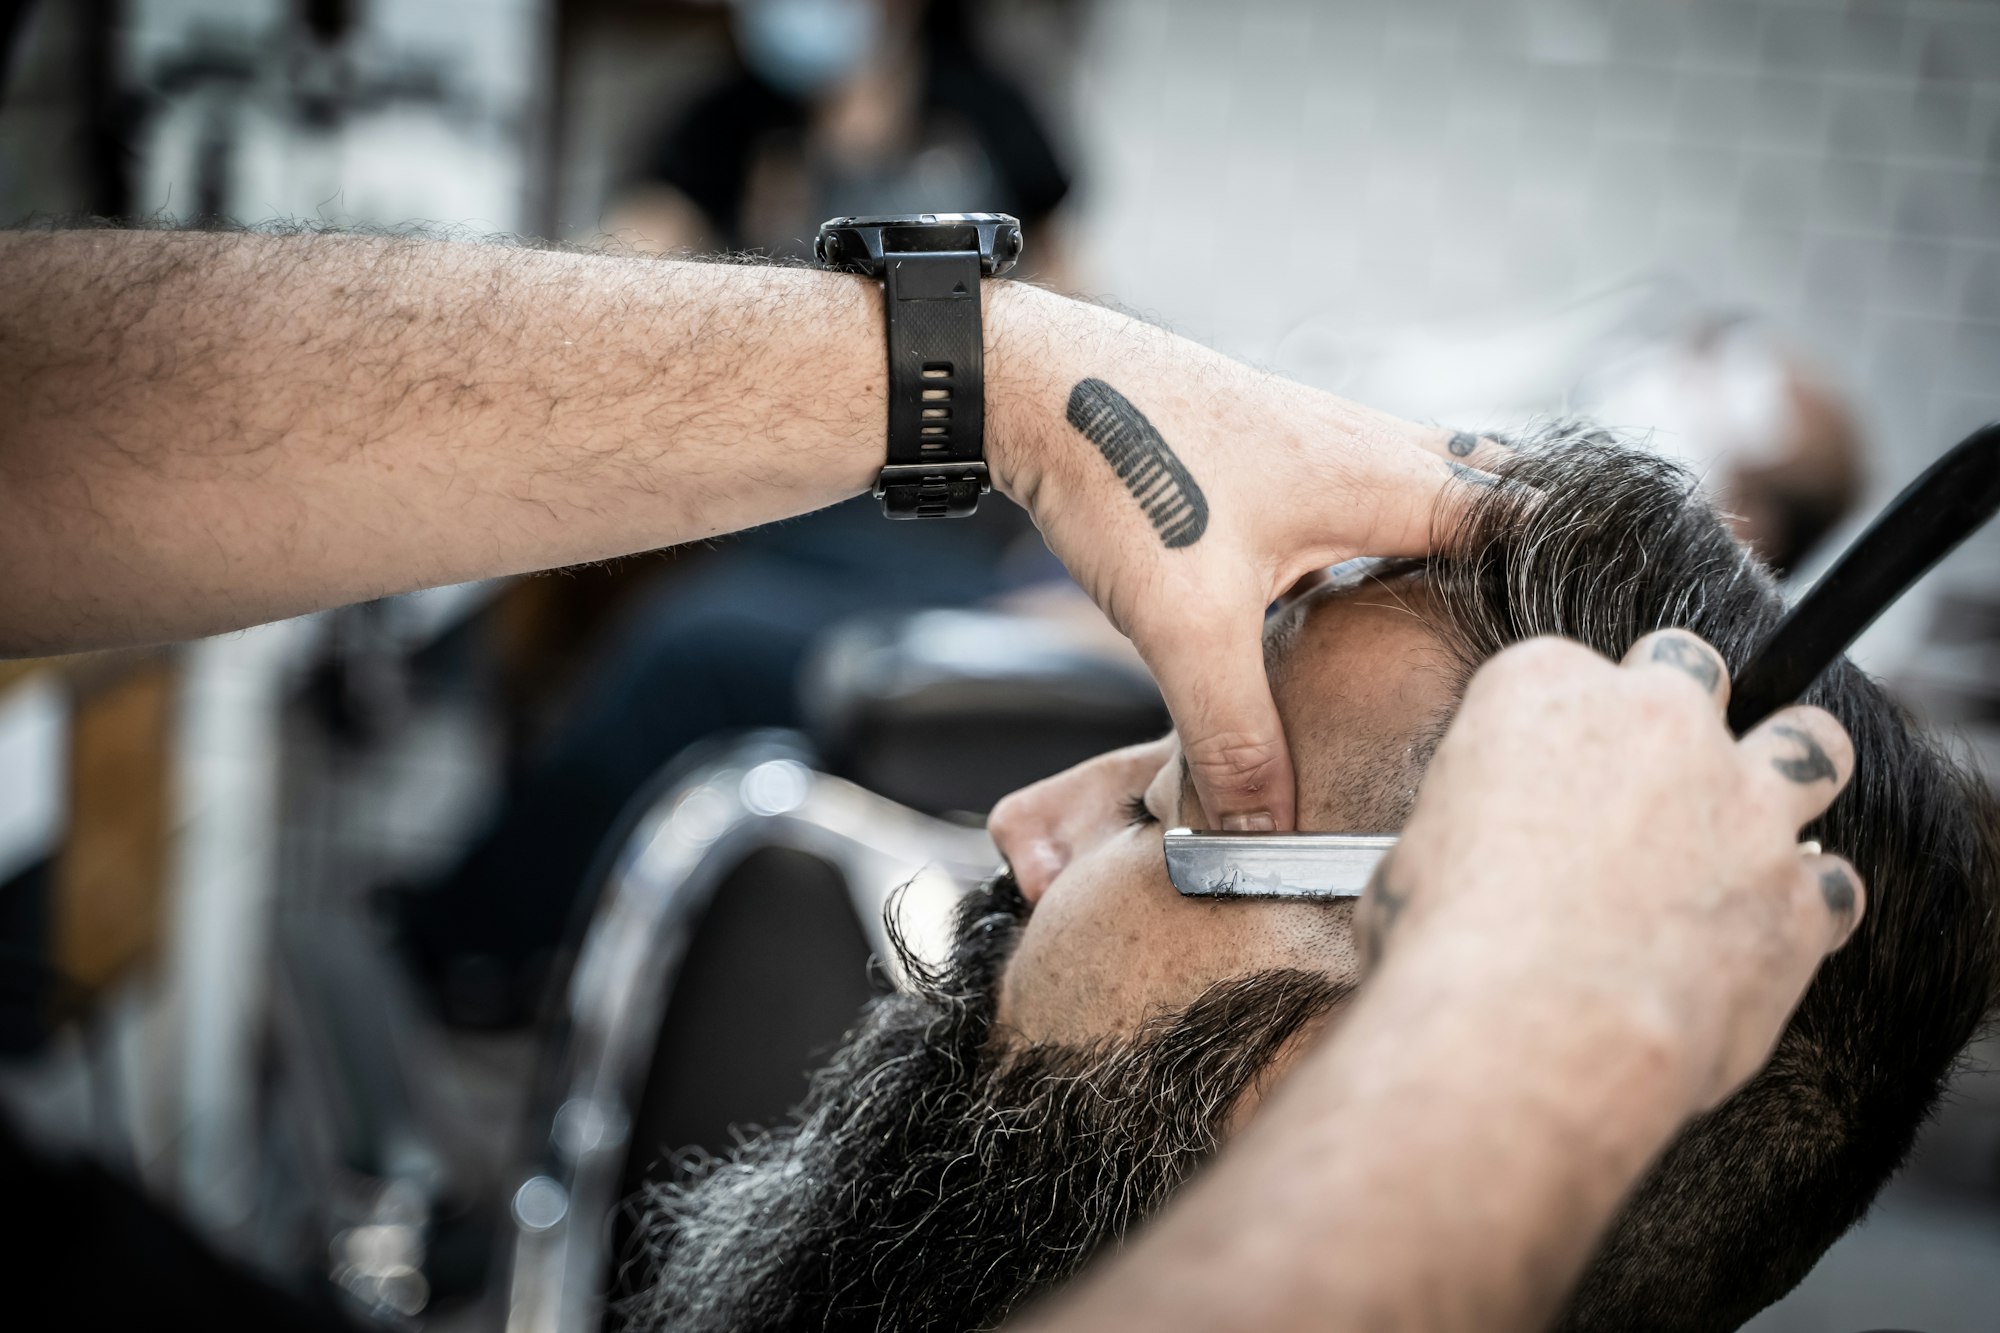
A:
[1065, 983]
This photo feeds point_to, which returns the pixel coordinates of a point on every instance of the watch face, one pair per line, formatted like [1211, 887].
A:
[918, 220]
[861, 244]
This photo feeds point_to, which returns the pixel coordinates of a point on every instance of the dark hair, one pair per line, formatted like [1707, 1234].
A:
[1602, 545]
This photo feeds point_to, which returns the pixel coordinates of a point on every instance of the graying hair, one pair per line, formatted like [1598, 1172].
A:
[1602, 544]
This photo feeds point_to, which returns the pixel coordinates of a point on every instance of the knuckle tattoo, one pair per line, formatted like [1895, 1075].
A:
[1472, 476]
[1382, 904]
[1682, 653]
[1810, 764]
[1837, 890]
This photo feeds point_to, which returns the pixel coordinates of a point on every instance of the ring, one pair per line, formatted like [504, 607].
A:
[1810, 847]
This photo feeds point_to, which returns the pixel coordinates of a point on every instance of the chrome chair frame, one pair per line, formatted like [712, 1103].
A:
[761, 792]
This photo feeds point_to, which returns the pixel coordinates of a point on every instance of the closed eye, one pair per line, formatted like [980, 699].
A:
[1136, 812]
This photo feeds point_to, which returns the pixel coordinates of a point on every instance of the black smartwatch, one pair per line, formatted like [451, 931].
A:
[930, 265]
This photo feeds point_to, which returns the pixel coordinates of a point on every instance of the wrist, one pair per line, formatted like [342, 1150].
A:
[1617, 1071]
[1022, 327]
[1466, 1128]
[1039, 346]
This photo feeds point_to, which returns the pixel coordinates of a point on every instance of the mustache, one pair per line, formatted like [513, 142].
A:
[985, 928]
[986, 925]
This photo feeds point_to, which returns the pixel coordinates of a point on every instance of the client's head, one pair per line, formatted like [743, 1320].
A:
[1095, 1035]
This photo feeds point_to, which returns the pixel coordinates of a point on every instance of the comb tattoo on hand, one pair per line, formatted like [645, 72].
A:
[1158, 480]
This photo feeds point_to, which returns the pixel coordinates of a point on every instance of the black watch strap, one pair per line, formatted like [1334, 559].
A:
[937, 386]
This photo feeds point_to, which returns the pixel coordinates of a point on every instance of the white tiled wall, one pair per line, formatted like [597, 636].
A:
[1293, 181]
[1256, 164]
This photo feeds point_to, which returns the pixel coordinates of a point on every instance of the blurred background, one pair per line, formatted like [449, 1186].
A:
[390, 944]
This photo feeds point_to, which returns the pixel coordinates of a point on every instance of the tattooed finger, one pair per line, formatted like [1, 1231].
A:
[1382, 903]
[1687, 654]
[1840, 889]
[1800, 759]
[1679, 653]
[1811, 764]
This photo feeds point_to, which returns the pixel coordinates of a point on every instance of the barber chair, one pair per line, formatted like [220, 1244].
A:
[950, 710]
[742, 917]
[361, 1130]
[756, 846]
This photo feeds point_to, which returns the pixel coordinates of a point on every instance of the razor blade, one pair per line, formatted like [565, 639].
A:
[1273, 865]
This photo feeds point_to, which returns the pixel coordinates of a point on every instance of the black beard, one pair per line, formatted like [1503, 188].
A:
[937, 1177]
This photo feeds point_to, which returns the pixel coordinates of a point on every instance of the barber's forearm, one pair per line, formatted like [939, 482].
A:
[203, 431]
[1433, 1166]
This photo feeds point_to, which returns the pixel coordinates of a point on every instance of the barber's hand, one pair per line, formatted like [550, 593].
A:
[1186, 493]
[1596, 827]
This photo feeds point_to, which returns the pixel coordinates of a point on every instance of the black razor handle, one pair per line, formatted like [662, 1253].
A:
[1936, 512]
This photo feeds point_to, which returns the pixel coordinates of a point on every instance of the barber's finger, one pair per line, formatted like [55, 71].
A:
[1375, 916]
[1468, 447]
[1804, 755]
[1687, 653]
[1213, 678]
[1305, 583]
[1833, 888]
[1416, 500]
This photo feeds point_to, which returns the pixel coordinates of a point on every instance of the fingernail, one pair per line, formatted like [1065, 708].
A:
[1260, 822]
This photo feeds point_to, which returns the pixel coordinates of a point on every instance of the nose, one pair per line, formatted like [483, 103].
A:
[1041, 828]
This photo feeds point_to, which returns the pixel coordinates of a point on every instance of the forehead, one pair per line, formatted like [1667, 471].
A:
[1363, 687]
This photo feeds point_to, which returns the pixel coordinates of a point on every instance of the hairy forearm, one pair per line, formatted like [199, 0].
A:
[199, 431]
[1443, 1162]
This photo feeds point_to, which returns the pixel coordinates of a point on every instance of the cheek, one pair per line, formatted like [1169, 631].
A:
[1111, 945]
[1089, 951]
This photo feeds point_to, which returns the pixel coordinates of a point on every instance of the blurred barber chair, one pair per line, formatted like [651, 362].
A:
[730, 945]
[363, 1125]
[948, 711]
[730, 948]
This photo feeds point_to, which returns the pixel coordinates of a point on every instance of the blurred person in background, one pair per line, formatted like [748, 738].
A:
[1774, 443]
[840, 107]
[1769, 436]
[848, 107]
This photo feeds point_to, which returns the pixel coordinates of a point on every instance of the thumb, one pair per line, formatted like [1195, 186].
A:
[1215, 687]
